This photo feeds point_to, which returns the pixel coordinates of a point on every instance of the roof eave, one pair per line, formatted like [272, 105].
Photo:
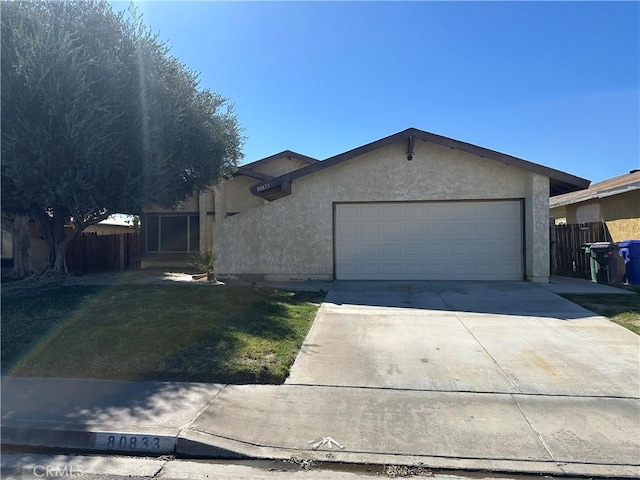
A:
[593, 196]
[285, 153]
[559, 182]
[250, 173]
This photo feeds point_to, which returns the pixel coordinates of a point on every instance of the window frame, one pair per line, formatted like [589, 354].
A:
[158, 240]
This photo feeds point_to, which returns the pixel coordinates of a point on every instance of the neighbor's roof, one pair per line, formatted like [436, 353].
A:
[613, 186]
[560, 182]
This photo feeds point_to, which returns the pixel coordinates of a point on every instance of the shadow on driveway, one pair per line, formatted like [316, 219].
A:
[499, 298]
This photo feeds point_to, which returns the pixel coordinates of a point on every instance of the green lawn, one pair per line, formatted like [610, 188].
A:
[621, 309]
[228, 334]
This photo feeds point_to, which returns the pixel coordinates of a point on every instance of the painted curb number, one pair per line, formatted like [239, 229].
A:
[134, 443]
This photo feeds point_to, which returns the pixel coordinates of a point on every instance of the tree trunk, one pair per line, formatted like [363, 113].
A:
[45, 225]
[60, 264]
[22, 265]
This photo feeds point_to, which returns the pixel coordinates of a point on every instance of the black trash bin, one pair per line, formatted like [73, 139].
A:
[607, 269]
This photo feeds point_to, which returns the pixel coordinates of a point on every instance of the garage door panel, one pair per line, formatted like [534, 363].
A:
[438, 228]
[459, 229]
[462, 211]
[414, 229]
[371, 250]
[369, 228]
[369, 211]
[392, 270]
[392, 211]
[348, 212]
[370, 269]
[499, 210]
[437, 212]
[439, 241]
[392, 249]
[345, 230]
[348, 251]
[417, 249]
[415, 270]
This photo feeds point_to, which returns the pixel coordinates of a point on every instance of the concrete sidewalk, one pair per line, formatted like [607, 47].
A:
[581, 286]
[443, 430]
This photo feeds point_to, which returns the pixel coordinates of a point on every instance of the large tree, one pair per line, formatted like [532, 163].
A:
[99, 118]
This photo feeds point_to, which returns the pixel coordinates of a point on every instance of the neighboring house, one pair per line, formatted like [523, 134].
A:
[39, 248]
[616, 202]
[114, 225]
[413, 205]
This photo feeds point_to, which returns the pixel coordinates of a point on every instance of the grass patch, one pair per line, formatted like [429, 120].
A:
[229, 334]
[621, 309]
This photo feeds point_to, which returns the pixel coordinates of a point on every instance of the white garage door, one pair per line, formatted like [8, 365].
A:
[429, 241]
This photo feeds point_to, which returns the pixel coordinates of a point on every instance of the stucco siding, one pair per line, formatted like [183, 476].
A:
[236, 195]
[559, 214]
[293, 237]
[280, 166]
[536, 214]
[621, 214]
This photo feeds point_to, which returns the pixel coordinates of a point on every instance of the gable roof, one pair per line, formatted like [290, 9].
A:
[248, 169]
[560, 182]
[613, 186]
[286, 153]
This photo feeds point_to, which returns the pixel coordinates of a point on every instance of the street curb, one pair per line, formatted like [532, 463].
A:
[191, 443]
[196, 444]
[117, 442]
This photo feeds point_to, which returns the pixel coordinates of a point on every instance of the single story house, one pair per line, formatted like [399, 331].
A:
[114, 225]
[413, 205]
[616, 202]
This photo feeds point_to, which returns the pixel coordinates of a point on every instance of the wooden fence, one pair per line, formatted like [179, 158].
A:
[568, 258]
[93, 253]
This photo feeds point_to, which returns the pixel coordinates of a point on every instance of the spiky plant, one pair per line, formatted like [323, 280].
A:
[204, 261]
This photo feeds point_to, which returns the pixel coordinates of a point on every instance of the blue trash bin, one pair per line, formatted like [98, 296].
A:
[630, 252]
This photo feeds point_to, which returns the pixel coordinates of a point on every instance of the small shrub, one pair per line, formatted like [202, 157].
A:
[204, 262]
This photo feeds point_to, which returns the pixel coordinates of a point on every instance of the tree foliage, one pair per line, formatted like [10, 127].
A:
[99, 118]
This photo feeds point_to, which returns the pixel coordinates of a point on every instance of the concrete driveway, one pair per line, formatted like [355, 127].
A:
[507, 337]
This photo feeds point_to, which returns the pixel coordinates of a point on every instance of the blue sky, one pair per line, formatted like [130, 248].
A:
[556, 83]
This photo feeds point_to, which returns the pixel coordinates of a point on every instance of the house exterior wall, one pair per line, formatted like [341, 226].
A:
[190, 204]
[559, 215]
[102, 229]
[39, 248]
[206, 210]
[536, 220]
[229, 197]
[292, 238]
[235, 195]
[280, 166]
[621, 214]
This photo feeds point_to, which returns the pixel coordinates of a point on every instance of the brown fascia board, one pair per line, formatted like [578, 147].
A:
[250, 173]
[560, 182]
[286, 153]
